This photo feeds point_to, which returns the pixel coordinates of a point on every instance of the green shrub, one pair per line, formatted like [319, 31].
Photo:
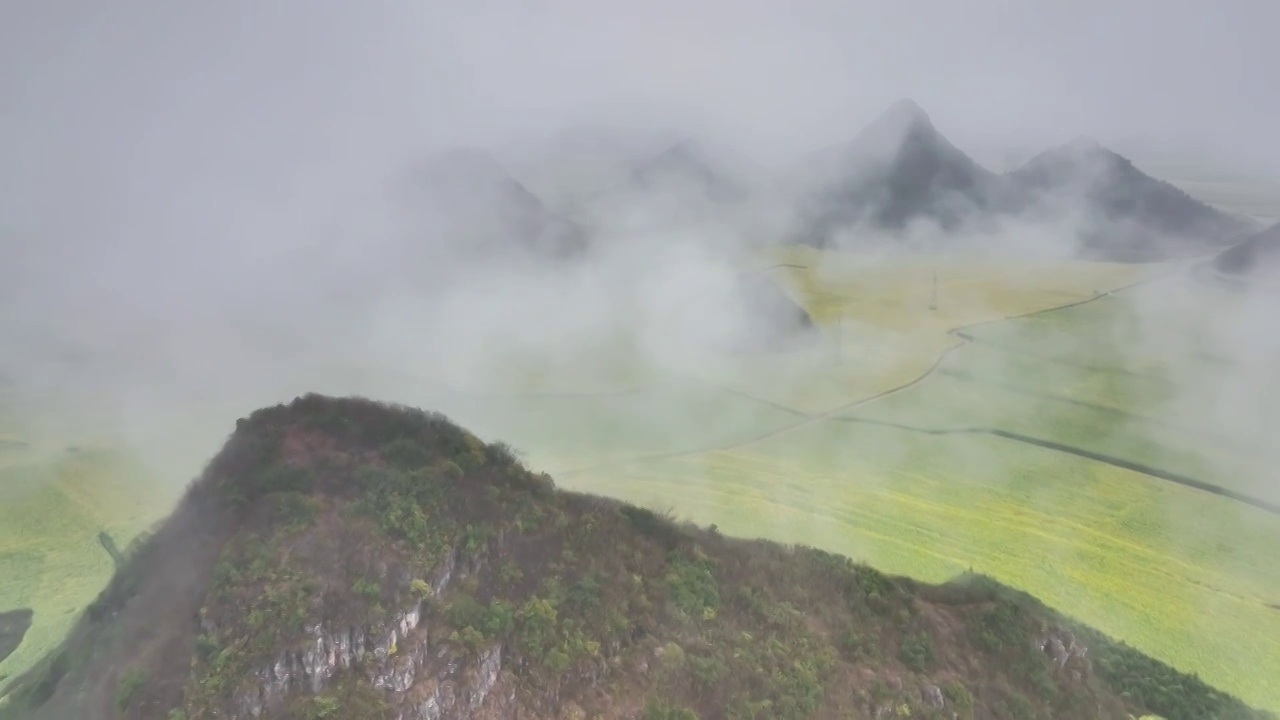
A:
[367, 588]
[420, 589]
[692, 585]
[295, 508]
[280, 477]
[916, 651]
[1001, 626]
[406, 453]
[130, 682]
[961, 700]
[651, 524]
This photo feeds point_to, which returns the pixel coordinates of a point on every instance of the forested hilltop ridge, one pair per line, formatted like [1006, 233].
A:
[343, 558]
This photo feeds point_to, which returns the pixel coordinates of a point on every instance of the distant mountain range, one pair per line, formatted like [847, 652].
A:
[897, 173]
[901, 170]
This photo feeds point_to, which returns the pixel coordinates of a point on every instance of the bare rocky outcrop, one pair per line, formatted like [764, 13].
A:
[1061, 645]
[423, 677]
[932, 696]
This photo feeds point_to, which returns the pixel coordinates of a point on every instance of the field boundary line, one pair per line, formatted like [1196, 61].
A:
[1141, 468]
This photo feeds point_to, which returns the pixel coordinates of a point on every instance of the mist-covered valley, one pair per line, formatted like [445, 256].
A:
[820, 276]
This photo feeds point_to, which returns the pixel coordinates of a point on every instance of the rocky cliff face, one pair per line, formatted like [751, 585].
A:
[343, 559]
[422, 676]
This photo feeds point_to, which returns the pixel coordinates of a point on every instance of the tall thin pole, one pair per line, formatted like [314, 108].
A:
[933, 296]
[836, 336]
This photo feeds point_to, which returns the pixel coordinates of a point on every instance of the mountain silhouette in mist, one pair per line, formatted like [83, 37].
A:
[897, 170]
[1259, 253]
[1123, 212]
[471, 201]
[900, 170]
[685, 166]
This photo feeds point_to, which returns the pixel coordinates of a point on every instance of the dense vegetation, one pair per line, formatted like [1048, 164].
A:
[346, 512]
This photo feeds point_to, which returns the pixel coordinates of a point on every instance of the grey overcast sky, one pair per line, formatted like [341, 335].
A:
[117, 110]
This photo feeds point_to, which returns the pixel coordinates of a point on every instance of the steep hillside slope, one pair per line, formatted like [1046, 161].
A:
[347, 559]
[1257, 255]
[1121, 212]
[898, 170]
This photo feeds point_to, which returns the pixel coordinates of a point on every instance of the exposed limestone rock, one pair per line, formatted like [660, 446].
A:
[932, 696]
[1064, 649]
[395, 657]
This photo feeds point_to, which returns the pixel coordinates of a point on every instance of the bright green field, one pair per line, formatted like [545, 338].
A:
[778, 447]
[51, 510]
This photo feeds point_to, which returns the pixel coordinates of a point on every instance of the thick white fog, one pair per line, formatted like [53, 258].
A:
[207, 209]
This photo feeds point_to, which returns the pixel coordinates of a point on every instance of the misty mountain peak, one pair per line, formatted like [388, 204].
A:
[898, 170]
[1133, 215]
[903, 123]
[1074, 156]
[1086, 145]
[686, 160]
[906, 113]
